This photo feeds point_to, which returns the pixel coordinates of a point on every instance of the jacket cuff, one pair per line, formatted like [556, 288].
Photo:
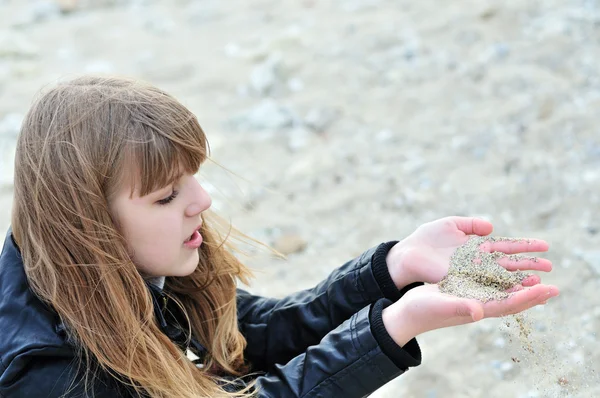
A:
[403, 357]
[382, 274]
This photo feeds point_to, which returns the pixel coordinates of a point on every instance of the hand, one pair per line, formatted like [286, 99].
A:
[424, 256]
[425, 308]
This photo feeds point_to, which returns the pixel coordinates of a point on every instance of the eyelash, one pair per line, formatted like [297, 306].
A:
[168, 199]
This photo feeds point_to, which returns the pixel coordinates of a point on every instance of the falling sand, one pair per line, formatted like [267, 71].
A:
[476, 274]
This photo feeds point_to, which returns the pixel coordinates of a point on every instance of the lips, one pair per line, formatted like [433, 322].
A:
[194, 242]
[194, 234]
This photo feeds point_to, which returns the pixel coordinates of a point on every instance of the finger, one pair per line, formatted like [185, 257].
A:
[513, 246]
[520, 300]
[533, 296]
[531, 280]
[473, 225]
[515, 288]
[476, 311]
[459, 311]
[515, 263]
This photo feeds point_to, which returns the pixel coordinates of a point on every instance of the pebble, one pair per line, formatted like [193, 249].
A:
[320, 119]
[591, 257]
[384, 136]
[499, 342]
[295, 84]
[15, 46]
[267, 115]
[67, 5]
[299, 138]
[267, 77]
[39, 11]
[289, 243]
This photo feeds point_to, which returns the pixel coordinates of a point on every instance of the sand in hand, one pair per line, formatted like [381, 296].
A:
[477, 275]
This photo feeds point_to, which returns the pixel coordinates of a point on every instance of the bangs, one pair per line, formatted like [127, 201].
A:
[161, 154]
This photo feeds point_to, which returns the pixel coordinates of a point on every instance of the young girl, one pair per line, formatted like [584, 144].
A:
[114, 272]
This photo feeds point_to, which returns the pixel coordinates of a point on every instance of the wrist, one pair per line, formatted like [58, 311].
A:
[395, 265]
[381, 272]
[399, 325]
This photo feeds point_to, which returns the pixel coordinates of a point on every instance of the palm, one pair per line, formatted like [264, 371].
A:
[424, 256]
[432, 309]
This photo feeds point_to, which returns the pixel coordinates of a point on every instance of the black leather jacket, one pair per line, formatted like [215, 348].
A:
[328, 341]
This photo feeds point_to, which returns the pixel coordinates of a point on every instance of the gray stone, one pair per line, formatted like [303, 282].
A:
[10, 126]
[320, 119]
[267, 115]
[13, 45]
[289, 243]
[295, 84]
[299, 138]
[38, 11]
[266, 77]
[384, 136]
[591, 257]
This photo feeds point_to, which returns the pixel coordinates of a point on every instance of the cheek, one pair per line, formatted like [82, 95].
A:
[158, 234]
[156, 250]
[151, 236]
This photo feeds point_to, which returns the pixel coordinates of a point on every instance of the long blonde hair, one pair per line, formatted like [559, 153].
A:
[75, 145]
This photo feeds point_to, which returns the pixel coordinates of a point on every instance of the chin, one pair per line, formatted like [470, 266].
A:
[189, 266]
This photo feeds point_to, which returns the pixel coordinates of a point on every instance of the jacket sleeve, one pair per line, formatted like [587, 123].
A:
[348, 362]
[277, 330]
[53, 373]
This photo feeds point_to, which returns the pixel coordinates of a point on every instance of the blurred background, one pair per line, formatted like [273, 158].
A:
[346, 123]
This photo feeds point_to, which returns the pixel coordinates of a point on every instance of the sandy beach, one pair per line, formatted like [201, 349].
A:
[341, 124]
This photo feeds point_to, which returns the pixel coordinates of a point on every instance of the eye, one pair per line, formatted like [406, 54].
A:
[168, 199]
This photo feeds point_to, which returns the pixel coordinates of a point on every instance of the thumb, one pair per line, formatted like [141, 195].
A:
[470, 308]
[477, 313]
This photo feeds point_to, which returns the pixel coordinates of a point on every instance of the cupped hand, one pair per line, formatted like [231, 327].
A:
[424, 256]
[425, 308]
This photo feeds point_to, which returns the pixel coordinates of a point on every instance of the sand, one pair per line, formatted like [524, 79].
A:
[353, 122]
[476, 274]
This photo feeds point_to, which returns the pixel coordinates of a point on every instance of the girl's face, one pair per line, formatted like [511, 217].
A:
[158, 226]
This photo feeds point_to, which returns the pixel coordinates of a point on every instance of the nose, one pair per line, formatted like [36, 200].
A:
[200, 201]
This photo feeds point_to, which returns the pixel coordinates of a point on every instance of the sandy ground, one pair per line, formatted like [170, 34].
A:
[352, 122]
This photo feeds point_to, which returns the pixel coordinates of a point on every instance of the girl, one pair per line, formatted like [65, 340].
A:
[114, 272]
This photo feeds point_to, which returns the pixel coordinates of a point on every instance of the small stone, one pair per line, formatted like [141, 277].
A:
[289, 243]
[99, 66]
[299, 138]
[160, 25]
[384, 136]
[267, 76]
[546, 109]
[591, 257]
[10, 125]
[16, 47]
[488, 14]
[295, 84]
[500, 51]
[267, 115]
[38, 11]
[563, 381]
[67, 5]
[320, 119]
